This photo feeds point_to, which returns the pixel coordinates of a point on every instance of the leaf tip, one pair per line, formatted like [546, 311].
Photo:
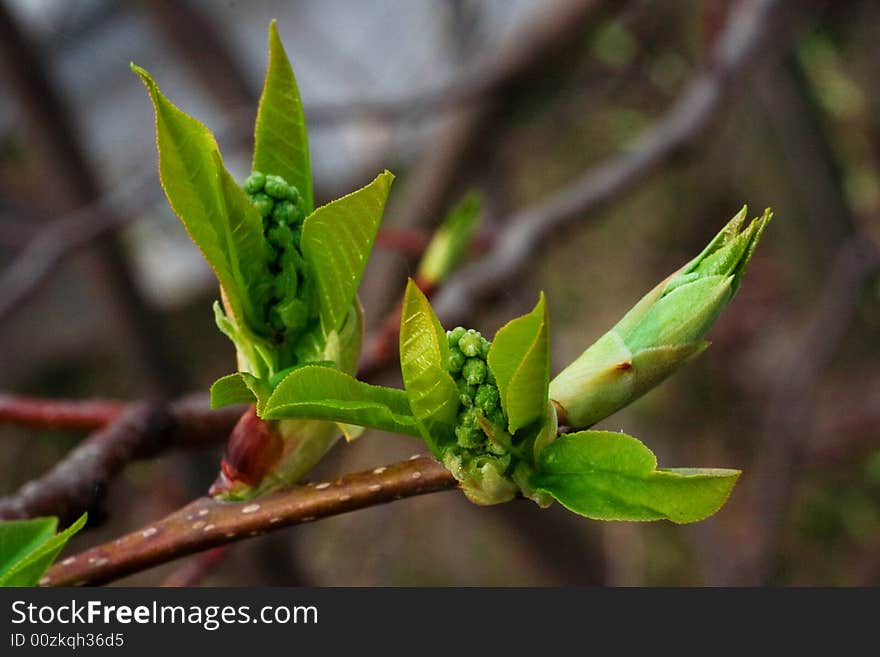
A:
[143, 74]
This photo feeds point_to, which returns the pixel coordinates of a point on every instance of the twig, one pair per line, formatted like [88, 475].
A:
[207, 523]
[705, 97]
[39, 412]
[63, 236]
[78, 482]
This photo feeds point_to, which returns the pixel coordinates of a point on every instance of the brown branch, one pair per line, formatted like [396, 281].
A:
[78, 482]
[705, 97]
[208, 523]
[45, 413]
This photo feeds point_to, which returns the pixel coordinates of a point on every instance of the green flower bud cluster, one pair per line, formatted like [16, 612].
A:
[280, 204]
[476, 453]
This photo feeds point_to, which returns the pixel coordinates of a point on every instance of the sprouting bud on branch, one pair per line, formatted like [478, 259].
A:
[662, 332]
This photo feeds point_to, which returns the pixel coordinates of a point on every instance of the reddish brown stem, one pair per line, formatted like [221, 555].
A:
[207, 523]
[406, 241]
[36, 412]
[140, 430]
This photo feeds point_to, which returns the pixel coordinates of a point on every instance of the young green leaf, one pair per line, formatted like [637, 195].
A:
[281, 145]
[612, 476]
[188, 173]
[424, 353]
[328, 394]
[520, 360]
[239, 388]
[336, 242]
[28, 548]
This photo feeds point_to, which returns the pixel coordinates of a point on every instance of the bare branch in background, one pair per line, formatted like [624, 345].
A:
[60, 238]
[207, 523]
[44, 413]
[473, 126]
[701, 103]
[137, 431]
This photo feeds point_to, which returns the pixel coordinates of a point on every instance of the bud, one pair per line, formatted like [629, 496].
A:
[662, 332]
[451, 241]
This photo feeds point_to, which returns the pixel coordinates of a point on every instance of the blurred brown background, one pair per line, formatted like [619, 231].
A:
[789, 392]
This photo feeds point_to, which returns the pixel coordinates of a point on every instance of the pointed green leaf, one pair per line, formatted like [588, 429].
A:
[188, 175]
[336, 242]
[520, 360]
[328, 394]
[28, 548]
[424, 353]
[281, 145]
[612, 476]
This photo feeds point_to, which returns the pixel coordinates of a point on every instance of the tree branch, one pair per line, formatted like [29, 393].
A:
[139, 430]
[39, 412]
[207, 523]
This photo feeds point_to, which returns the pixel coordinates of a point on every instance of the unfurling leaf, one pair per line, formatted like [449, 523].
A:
[240, 388]
[661, 333]
[612, 476]
[281, 145]
[424, 353]
[520, 360]
[451, 240]
[336, 241]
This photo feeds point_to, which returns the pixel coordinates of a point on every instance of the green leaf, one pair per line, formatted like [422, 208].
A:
[520, 360]
[240, 388]
[424, 352]
[188, 173]
[328, 394]
[612, 476]
[281, 145]
[336, 242]
[230, 390]
[28, 548]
